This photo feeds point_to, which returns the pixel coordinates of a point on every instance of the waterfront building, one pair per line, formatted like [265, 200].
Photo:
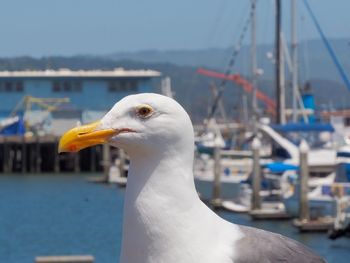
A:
[95, 90]
[90, 93]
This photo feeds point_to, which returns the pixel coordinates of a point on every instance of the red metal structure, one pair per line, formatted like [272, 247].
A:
[245, 84]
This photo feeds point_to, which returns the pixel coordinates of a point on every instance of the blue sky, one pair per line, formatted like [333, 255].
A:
[69, 27]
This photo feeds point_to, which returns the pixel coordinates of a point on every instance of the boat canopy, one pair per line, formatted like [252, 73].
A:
[280, 167]
[303, 127]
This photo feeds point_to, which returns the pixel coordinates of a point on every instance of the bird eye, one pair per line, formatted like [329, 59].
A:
[144, 111]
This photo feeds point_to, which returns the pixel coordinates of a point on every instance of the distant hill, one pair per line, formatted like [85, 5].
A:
[192, 90]
[314, 60]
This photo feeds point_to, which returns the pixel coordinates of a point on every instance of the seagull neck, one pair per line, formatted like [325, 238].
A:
[159, 181]
[160, 197]
[161, 172]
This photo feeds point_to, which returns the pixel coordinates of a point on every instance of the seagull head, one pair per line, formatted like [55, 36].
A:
[140, 124]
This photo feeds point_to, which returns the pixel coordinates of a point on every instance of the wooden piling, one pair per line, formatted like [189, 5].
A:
[10, 159]
[256, 200]
[76, 163]
[5, 167]
[93, 159]
[31, 157]
[37, 156]
[216, 199]
[106, 156]
[56, 158]
[24, 155]
[262, 210]
[303, 222]
[303, 182]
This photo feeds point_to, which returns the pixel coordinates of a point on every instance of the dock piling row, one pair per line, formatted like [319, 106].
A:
[19, 154]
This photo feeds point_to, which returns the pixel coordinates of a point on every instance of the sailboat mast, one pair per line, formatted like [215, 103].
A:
[280, 111]
[254, 64]
[294, 60]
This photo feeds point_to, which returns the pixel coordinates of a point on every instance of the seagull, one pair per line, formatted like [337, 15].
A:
[164, 220]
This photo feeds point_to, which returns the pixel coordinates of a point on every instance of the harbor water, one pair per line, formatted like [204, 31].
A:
[66, 215]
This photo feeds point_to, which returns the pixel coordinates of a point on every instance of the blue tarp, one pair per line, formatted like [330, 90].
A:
[17, 128]
[279, 167]
[303, 127]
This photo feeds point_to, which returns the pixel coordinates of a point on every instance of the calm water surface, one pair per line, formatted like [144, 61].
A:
[51, 215]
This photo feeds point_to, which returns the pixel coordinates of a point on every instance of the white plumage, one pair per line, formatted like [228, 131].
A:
[164, 219]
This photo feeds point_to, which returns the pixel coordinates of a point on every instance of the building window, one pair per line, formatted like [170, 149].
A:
[11, 86]
[66, 86]
[8, 86]
[56, 86]
[19, 87]
[122, 86]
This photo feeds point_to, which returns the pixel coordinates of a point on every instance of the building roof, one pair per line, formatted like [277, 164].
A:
[117, 72]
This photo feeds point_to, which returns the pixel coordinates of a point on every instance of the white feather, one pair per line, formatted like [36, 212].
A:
[164, 220]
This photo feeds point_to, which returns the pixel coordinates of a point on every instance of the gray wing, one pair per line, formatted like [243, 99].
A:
[266, 247]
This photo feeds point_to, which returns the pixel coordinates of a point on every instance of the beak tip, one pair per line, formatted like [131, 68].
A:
[82, 137]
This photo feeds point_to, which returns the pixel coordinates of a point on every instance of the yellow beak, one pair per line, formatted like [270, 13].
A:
[84, 136]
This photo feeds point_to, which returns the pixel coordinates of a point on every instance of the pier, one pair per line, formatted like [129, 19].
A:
[19, 154]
